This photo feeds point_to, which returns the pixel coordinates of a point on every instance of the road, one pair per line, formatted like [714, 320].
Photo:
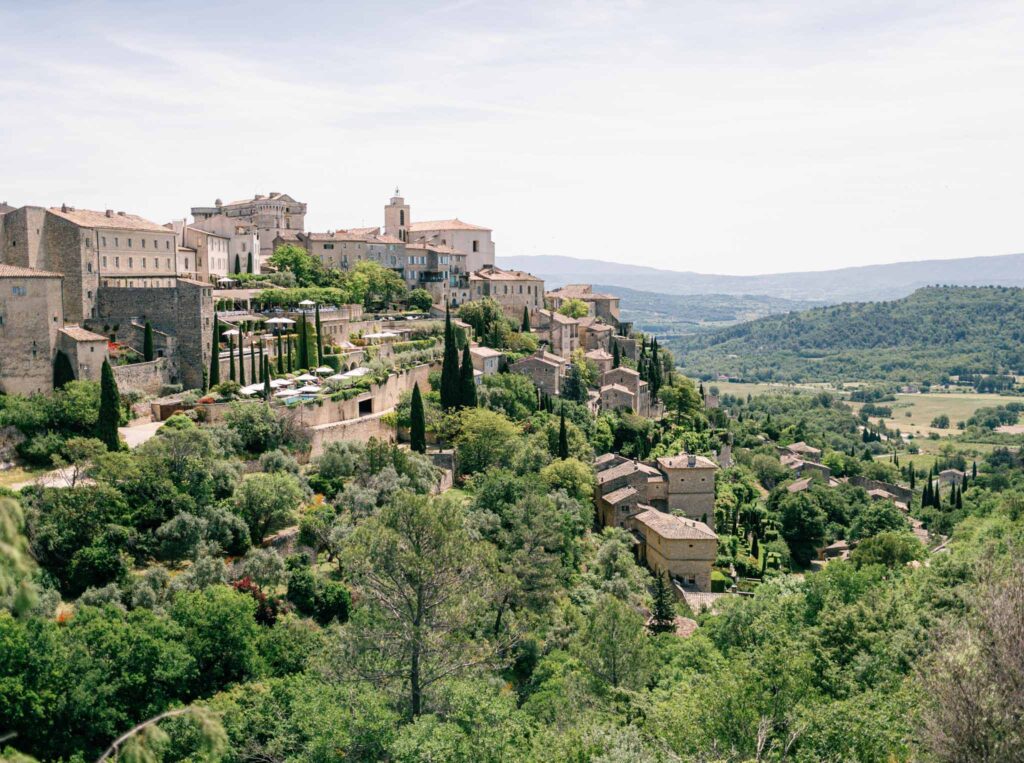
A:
[138, 434]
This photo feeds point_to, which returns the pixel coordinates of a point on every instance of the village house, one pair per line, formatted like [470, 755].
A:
[801, 450]
[602, 360]
[561, 332]
[623, 388]
[683, 483]
[272, 214]
[683, 548]
[603, 306]
[595, 334]
[474, 241]
[801, 467]
[31, 317]
[243, 240]
[951, 477]
[544, 369]
[514, 290]
[86, 350]
[486, 360]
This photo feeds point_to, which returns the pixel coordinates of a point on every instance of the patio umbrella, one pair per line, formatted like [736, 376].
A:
[307, 303]
[307, 378]
[275, 383]
[325, 370]
[308, 388]
[286, 393]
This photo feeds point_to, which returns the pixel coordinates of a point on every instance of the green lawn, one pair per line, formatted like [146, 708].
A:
[18, 474]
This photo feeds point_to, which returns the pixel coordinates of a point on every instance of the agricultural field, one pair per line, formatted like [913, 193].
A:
[914, 413]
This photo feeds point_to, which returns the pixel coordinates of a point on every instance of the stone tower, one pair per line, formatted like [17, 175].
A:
[396, 217]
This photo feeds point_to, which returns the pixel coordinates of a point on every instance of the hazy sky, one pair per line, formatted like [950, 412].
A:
[723, 136]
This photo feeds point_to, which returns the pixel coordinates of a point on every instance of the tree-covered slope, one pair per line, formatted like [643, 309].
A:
[932, 333]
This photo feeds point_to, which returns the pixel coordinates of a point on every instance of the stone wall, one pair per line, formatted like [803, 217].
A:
[29, 326]
[360, 430]
[185, 312]
[149, 378]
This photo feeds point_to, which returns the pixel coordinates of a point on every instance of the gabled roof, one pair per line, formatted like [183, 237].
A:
[599, 354]
[14, 271]
[485, 352]
[453, 224]
[616, 388]
[621, 495]
[623, 370]
[497, 274]
[89, 218]
[672, 527]
[607, 460]
[619, 470]
[80, 334]
[686, 461]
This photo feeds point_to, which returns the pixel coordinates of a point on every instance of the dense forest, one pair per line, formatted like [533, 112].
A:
[932, 334]
[243, 601]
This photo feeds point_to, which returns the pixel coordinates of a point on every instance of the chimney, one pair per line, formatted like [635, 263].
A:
[691, 460]
[121, 214]
[110, 213]
[63, 207]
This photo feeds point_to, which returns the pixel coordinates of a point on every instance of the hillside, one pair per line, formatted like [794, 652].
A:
[871, 282]
[671, 315]
[934, 332]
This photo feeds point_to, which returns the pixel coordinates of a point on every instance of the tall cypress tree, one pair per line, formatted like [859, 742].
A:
[231, 359]
[912, 477]
[467, 382]
[241, 359]
[418, 423]
[62, 370]
[263, 365]
[248, 264]
[319, 338]
[655, 370]
[663, 613]
[291, 360]
[215, 353]
[616, 355]
[526, 320]
[280, 353]
[303, 354]
[450, 393]
[110, 409]
[147, 342]
[563, 437]
[266, 378]
[253, 374]
[238, 265]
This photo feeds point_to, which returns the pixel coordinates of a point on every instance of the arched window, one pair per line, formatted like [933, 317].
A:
[401, 217]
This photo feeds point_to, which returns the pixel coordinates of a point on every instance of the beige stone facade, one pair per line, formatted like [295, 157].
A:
[638, 398]
[544, 369]
[603, 306]
[31, 316]
[561, 332]
[85, 349]
[690, 485]
[684, 548]
[514, 290]
[243, 239]
[486, 360]
[272, 214]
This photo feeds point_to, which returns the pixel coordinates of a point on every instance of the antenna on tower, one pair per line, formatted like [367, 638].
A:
[397, 192]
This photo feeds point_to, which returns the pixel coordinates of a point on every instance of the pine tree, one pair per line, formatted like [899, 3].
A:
[241, 358]
[449, 366]
[280, 354]
[248, 264]
[616, 356]
[526, 320]
[467, 382]
[319, 338]
[238, 265]
[62, 370]
[110, 409]
[215, 353]
[231, 359]
[563, 437]
[147, 342]
[663, 612]
[418, 423]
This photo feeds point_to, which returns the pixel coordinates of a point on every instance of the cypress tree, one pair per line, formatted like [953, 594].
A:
[959, 503]
[248, 264]
[231, 359]
[110, 409]
[280, 353]
[266, 378]
[655, 371]
[754, 548]
[418, 425]
[241, 359]
[467, 384]
[215, 353]
[291, 363]
[62, 370]
[147, 342]
[563, 437]
[663, 613]
[616, 355]
[912, 477]
[253, 374]
[526, 320]
[303, 346]
[238, 265]
[974, 470]
[450, 394]
[319, 338]
[263, 365]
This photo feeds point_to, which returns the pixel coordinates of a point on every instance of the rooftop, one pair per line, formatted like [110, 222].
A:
[13, 271]
[620, 495]
[80, 334]
[497, 274]
[686, 461]
[453, 224]
[485, 352]
[89, 218]
[674, 528]
[619, 470]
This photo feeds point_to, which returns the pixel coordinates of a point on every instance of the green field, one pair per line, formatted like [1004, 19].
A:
[914, 413]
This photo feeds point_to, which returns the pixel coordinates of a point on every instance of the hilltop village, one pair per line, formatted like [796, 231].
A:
[361, 494]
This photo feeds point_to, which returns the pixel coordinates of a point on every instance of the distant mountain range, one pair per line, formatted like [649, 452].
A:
[866, 283]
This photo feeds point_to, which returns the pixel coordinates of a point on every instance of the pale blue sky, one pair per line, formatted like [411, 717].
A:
[721, 136]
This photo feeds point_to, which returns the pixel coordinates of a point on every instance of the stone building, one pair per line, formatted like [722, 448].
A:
[514, 290]
[603, 306]
[544, 369]
[243, 240]
[684, 548]
[602, 360]
[206, 256]
[31, 317]
[561, 331]
[474, 241]
[486, 360]
[625, 389]
[689, 485]
[86, 350]
[272, 214]
[595, 334]
[184, 312]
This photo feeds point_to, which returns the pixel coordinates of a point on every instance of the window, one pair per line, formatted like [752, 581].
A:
[129, 243]
[19, 291]
[143, 243]
[328, 246]
[117, 241]
[157, 243]
[168, 264]
[89, 294]
[476, 245]
[401, 217]
[88, 267]
[104, 241]
[143, 263]
[104, 260]
[117, 262]
[131, 262]
[167, 244]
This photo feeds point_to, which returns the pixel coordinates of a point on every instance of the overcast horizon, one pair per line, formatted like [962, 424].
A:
[723, 138]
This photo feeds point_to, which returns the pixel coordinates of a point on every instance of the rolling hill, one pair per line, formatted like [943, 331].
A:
[870, 282]
[932, 333]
